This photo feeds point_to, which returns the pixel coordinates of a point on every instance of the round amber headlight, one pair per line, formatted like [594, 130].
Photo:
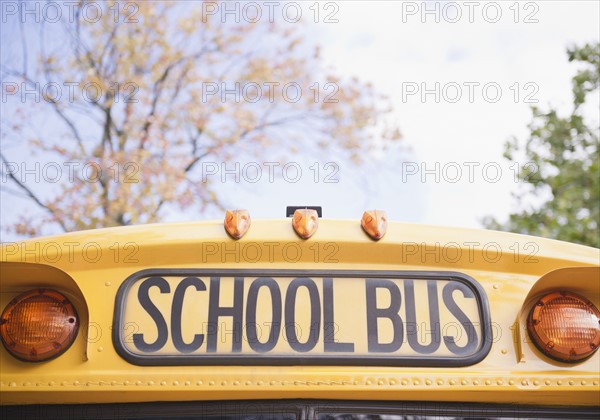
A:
[565, 326]
[38, 325]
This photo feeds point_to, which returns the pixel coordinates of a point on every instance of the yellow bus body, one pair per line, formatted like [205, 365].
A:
[89, 268]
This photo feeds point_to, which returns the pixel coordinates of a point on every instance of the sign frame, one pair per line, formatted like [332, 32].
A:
[303, 359]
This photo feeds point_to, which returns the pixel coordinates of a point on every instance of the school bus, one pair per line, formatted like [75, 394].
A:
[300, 318]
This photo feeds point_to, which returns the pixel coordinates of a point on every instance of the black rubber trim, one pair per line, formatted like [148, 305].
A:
[307, 360]
[297, 409]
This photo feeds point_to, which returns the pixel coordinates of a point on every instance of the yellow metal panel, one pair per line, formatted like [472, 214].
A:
[95, 263]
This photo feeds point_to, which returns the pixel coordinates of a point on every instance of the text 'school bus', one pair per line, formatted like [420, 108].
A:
[299, 318]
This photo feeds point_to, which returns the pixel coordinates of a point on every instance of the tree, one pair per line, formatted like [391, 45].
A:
[562, 170]
[160, 87]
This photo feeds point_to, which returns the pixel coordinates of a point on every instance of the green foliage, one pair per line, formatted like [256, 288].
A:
[563, 152]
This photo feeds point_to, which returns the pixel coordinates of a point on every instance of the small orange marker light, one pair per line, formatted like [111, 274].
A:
[237, 223]
[305, 222]
[38, 325]
[374, 223]
[565, 326]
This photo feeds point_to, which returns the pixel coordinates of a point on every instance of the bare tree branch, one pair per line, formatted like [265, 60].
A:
[55, 107]
[32, 195]
[158, 87]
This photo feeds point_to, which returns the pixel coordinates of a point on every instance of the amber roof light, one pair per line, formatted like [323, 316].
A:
[38, 325]
[374, 223]
[237, 223]
[305, 222]
[565, 326]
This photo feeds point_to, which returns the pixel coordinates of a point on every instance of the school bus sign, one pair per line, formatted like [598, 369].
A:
[286, 318]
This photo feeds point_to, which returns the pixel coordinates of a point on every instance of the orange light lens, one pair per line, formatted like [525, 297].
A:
[38, 325]
[237, 223]
[374, 223]
[565, 326]
[305, 222]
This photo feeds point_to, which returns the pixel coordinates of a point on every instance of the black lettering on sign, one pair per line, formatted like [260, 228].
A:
[215, 312]
[152, 310]
[453, 307]
[253, 339]
[331, 344]
[290, 314]
[176, 310]
[391, 313]
[412, 330]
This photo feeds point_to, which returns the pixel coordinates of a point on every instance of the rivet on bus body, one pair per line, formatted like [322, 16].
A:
[305, 222]
[374, 223]
[237, 223]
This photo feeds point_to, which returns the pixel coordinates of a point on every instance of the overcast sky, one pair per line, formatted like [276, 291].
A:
[453, 173]
[482, 71]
